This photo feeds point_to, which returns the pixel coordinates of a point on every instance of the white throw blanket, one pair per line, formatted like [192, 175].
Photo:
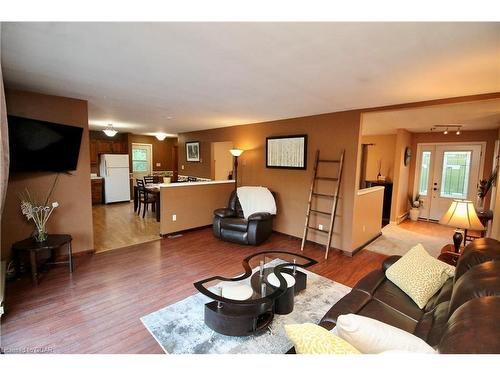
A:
[255, 199]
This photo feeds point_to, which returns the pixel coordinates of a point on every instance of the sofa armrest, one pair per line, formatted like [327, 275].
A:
[390, 261]
[259, 216]
[224, 212]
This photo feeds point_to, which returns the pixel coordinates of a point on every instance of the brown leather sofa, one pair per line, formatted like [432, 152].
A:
[230, 224]
[462, 317]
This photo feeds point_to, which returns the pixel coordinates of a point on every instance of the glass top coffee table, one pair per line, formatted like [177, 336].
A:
[246, 304]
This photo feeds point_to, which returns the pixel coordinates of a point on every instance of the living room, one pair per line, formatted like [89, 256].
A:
[281, 240]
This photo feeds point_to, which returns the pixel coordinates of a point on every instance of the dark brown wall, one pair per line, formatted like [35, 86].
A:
[204, 167]
[162, 150]
[74, 215]
[330, 133]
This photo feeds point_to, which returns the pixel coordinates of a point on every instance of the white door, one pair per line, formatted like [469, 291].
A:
[142, 160]
[446, 172]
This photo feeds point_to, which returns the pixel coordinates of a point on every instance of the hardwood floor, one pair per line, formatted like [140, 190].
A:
[117, 225]
[97, 309]
[428, 228]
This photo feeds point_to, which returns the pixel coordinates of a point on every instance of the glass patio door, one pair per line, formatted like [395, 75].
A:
[446, 172]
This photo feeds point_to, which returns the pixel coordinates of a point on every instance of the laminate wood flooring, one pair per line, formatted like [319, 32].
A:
[116, 225]
[97, 308]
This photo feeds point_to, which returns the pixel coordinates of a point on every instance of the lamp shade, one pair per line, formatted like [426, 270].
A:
[236, 152]
[462, 215]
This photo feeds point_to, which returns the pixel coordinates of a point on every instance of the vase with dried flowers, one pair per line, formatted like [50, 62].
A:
[39, 211]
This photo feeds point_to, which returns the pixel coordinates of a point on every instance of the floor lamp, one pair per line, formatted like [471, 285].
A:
[462, 216]
[236, 152]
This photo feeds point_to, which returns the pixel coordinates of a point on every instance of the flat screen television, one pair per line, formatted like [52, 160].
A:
[42, 146]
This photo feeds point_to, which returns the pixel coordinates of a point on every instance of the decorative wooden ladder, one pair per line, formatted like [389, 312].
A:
[314, 195]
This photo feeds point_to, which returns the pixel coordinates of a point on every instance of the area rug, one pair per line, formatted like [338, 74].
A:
[179, 328]
[397, 241]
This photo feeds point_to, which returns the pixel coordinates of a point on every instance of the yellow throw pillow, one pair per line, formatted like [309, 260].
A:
[419, 275]
[309, 338]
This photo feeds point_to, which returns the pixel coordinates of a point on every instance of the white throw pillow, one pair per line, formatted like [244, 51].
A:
[371, 336]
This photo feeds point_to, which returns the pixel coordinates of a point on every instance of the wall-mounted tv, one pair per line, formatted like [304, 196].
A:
[42, 146]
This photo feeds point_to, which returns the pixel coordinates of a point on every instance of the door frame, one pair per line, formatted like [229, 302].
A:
[150, 145]
[418, 161]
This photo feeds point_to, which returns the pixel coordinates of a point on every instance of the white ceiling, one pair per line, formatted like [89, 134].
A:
[207, 75]
[476, 115]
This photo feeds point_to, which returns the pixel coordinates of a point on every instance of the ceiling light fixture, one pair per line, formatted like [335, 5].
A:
[161, 136]
[456, 128]
[110, 131]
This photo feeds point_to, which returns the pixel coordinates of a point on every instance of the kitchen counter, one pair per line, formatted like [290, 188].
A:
[176, 184]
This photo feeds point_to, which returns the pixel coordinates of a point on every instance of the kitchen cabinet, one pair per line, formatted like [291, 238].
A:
[104, 147]
[116, 148]
[93, 152]
[101, 144]
[97, 187]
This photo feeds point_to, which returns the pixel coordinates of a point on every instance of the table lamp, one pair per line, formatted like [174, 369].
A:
[236, 152]
[461, 215]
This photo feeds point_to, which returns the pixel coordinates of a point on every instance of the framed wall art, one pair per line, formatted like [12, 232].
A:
[288, 152]
[193, 151]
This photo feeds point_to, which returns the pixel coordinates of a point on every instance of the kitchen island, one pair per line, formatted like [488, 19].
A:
[189, 205]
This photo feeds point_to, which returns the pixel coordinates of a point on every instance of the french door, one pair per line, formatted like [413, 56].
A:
[446, 172]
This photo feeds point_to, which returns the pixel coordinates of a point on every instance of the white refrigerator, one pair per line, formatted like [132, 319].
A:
[114, 169]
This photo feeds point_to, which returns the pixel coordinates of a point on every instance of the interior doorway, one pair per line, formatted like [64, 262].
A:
[444, 172]
[222, 160]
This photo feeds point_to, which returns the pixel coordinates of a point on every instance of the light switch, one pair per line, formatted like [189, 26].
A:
[182, 166]
[174, 217]
[158, 164]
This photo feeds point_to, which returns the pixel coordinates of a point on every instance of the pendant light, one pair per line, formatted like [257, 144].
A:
[161, 136]
[110, 131]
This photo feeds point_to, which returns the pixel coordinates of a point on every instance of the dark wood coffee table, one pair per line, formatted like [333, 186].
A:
[243, 317]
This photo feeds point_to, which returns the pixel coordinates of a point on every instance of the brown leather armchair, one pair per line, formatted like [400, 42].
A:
[230, 224]
[462, 317]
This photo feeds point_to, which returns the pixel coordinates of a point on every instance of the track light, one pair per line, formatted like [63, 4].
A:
[457, 129]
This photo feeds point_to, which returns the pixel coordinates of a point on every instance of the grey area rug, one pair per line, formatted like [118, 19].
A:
[179, 328]
[398, 241]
